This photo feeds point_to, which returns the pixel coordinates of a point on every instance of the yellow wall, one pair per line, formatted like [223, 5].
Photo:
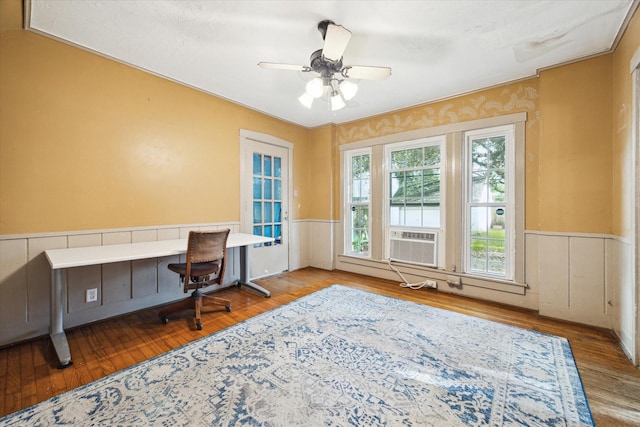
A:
[321, 172]
[623, 162]
[89, 143]
[574, 173]
[86, 142]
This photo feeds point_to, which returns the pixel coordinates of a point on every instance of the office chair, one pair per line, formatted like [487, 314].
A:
[206, 259]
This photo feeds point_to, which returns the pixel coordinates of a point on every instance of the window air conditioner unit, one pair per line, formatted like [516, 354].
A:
[414, 247]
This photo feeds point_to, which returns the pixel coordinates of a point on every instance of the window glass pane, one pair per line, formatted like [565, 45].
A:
[267, 212]
[277, 167]
[479, 188]
[360, 190]
[479, 155]
[257, 164]
[257, 230]
[267, 166]
[277, 189]
[413, 212]
[267, 189]
[479, 221]
[415, 158]
[432, 155]
[257, 188]
[396, 183]
[360, 166]
[398, 159]
[496, 149]
[413, 184]
[496, 191]
[396, 214]
[360, 227]
[268, 231]
[431, 185]
[431, 216]
[257, 212]
[478, 255]
[488, 153]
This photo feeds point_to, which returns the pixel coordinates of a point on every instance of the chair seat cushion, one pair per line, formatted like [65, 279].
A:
[197, 269]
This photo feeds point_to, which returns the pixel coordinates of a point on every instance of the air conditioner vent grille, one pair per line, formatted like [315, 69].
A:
[414, 247]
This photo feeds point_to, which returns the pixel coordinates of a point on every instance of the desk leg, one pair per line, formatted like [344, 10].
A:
[244, 272]
[56, 330]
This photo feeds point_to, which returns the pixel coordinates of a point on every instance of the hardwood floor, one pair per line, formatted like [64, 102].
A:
[28, 371]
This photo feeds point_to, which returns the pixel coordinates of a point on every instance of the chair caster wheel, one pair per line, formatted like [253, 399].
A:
[228, 309]
[199, 326]
[165, 320]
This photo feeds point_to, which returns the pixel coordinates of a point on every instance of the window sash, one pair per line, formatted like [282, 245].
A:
[489, 214]
[357, 217]
[408, 209]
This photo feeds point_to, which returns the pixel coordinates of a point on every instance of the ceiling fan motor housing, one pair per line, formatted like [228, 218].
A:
[323, 66]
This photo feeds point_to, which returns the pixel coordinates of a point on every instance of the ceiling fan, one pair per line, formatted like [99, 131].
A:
[334, 76]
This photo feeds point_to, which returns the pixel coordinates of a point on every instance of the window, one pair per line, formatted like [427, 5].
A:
[413, 171]
[358, 165]
[449, 197]
[489, 207]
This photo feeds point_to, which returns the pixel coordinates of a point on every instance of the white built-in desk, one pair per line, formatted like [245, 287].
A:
[94, 255]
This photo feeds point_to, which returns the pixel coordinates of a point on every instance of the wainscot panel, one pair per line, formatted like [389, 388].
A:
[25, 278]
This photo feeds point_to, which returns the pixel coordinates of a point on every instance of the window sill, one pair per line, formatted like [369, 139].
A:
[375, 267]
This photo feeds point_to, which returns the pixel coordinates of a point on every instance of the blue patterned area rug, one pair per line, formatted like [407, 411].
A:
[340, 357]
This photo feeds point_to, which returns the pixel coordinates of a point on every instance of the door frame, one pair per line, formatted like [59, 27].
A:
[247, 136]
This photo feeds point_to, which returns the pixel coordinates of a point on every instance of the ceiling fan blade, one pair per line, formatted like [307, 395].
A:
[277, 66]
[335, 42]
[366, 73]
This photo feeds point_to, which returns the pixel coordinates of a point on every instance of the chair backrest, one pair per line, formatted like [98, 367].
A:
[207, 246]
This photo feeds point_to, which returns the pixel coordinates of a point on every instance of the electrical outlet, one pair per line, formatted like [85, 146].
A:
[432, 284]
[92, 295]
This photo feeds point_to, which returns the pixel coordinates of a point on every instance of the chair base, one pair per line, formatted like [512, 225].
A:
[195, 301]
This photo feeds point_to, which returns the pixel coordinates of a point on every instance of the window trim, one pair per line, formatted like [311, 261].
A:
[510, 173]
[429, 141]
[347, 203]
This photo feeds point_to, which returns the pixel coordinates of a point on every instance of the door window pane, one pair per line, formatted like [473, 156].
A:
[267, 188]
[257, 188]
[277, 189]
[267, 165]
[257, 212]
[257, 164]
[277, 167]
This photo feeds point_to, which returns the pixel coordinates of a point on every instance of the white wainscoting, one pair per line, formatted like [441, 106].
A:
[573, 275]
[25, 278]
[311, 244]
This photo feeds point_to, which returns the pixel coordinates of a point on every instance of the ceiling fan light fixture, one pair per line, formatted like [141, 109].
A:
[337, 103]
[306, 100]
[315, 88]
[348, 89]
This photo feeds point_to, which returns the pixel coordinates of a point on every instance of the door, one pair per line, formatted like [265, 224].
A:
[264, 187]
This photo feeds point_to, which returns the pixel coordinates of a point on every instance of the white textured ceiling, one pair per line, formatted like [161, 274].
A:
[436, 49]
